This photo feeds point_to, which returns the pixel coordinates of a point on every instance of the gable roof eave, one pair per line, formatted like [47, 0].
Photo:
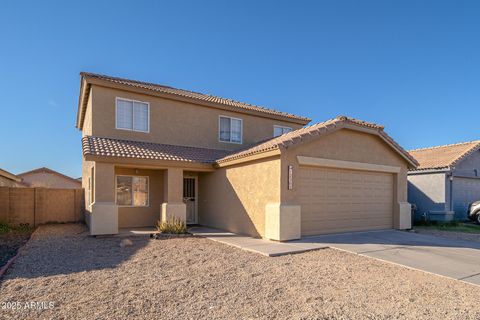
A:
[445, 156]
[304, 135]
[179, 95]
[10, 176]
[465, 155]
[48, 170]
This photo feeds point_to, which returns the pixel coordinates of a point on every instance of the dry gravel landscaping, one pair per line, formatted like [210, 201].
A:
[193, 278]
[11, 239]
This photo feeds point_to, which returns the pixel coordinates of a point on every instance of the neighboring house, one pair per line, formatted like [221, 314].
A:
[446, 180]
[48, 178]
[152, 151]
[8, 179]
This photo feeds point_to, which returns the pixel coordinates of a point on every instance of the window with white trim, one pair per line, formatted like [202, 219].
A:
[132, 115]
[279, 130]
[132, 191]
[230, 129]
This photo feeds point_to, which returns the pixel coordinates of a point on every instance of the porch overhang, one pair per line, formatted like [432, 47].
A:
[151, 164]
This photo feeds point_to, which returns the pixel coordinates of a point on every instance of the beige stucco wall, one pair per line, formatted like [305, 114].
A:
[104, 188]
[235, 198]
[143, 216]
[49, 180]
[346, 145]
[5, 182]
[86, 171]
[87, 124]
[173, 122]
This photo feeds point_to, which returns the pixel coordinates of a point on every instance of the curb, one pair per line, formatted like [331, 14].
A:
[4, 269]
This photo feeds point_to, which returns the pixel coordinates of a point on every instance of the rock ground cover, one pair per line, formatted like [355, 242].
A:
[195, 278]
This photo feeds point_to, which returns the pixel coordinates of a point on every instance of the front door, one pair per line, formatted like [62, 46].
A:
[190, 198]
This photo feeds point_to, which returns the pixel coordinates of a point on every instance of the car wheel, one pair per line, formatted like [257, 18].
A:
[477, 218]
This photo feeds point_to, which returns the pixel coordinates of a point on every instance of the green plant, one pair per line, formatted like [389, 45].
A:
[172, 225]
[22, 227]
[4, 227]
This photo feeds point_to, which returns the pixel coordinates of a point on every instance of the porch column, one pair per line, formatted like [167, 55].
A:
[173, 205]
[104, 213]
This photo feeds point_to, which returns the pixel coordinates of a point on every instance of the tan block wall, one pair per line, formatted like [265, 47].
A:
[348, 145]
[49, 180]
[235, 198]
[143, 216]
[40, 205]
[172, 122]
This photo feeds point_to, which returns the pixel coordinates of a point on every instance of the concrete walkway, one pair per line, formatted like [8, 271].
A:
[457, 259]
[264, 247]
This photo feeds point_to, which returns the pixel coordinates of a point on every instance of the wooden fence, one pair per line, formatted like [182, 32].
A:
[40, 205]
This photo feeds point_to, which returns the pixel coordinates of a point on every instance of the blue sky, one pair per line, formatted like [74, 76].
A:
[413, 66]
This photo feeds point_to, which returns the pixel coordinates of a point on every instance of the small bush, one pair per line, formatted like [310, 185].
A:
[172, 226]
[4, 227]
[22, 228]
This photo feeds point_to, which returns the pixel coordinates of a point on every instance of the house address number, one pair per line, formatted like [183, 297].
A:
[290, 177]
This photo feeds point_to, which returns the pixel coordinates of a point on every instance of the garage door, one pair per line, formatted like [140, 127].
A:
[338, 200]
[465, 191]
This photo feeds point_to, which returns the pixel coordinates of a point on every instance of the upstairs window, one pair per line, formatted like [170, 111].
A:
[132, 115]
[279, 130]
[230, 130]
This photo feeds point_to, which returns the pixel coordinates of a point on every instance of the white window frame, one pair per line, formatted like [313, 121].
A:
[133, 114]
[132, 205]
[283, 127]
[241, 129]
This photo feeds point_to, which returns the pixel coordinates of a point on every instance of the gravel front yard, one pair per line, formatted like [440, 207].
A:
[10, 242]
[196, 278]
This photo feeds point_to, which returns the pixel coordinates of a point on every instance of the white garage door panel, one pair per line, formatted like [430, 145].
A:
[337, 200]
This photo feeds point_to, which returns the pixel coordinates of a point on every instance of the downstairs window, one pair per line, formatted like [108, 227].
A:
[132, 191]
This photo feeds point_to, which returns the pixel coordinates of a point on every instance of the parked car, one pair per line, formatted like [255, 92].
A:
[474, 211]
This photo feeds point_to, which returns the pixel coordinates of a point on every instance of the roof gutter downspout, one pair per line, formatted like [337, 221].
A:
[450, 179]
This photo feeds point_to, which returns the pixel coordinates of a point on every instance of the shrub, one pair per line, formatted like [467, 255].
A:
[22, 227]
[4, 227]
[172, 225]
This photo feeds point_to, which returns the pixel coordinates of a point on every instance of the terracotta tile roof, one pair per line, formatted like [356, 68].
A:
[444, 156]
[306, 133]
[229, 103]
[147, 150]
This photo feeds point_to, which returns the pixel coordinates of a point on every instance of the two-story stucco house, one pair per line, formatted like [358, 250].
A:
[151, 152]
[446, 181]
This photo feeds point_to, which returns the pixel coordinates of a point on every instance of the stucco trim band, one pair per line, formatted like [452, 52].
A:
[331, 163]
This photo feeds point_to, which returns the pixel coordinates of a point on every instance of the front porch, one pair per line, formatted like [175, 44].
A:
[128, 197]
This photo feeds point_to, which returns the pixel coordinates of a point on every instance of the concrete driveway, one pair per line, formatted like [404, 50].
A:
[455, 259]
